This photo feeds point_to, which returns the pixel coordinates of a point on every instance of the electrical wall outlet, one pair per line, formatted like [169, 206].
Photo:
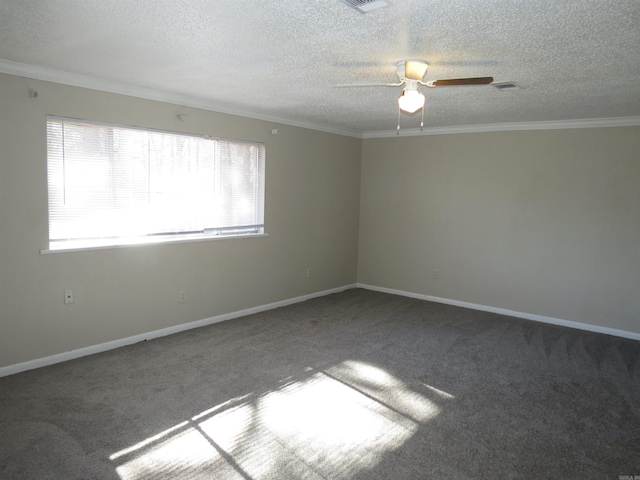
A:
[308, 272]
[68, 297]
[183, 296]
[436, 273]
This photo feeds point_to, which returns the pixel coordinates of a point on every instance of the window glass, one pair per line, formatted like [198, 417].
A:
[114, 185]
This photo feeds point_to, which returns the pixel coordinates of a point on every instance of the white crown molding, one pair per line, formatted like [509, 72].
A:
[511, 313]
[94, 83]
[513, 126]
[84, 81]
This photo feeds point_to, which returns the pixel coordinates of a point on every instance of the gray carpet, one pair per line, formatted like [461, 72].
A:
[355, 385]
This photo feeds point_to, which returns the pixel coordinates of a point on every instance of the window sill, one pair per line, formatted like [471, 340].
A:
[78, 246]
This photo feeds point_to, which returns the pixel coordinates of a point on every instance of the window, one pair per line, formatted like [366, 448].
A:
[116, 185]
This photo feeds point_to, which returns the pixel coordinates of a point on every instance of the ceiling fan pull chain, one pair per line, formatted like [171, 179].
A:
[398, 127]
[422, 121]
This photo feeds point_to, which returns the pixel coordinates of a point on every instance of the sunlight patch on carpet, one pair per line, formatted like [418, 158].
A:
[387, 389]
[322, 418]
[351, 407]
[177, 455]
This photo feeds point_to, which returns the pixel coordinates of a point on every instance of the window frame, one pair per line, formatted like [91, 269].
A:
[155, 238]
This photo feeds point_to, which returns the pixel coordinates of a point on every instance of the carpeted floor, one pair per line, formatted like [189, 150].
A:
[356, 385]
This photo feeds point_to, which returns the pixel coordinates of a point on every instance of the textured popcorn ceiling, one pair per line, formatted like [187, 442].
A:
[279, 59]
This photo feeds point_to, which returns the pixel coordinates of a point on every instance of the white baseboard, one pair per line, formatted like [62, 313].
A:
[103, 347]
[512, 313]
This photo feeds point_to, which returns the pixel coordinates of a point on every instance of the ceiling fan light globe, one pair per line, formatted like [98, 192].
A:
[411, 101]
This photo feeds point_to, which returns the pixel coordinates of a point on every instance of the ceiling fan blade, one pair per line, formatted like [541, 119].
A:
[353, 85]
[461, 81]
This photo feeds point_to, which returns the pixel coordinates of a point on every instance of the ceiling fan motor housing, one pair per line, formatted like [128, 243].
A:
[411, 69]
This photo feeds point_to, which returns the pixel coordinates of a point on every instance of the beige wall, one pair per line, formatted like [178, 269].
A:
[540, 222]
[312, 208]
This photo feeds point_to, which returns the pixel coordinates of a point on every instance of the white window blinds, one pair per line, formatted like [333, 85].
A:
[110, 184]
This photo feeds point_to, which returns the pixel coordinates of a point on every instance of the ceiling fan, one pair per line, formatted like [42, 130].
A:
[410, 76]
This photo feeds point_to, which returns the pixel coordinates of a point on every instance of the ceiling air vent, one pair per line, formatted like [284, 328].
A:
[504, 85]
[365, 6]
